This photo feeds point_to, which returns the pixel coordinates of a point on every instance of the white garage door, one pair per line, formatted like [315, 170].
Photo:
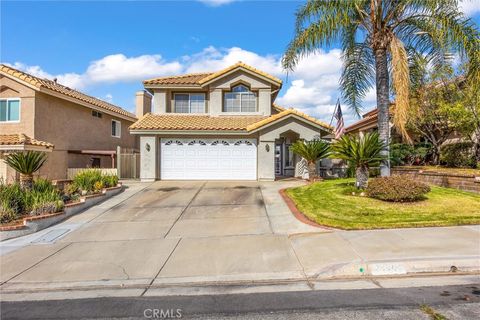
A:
[208, 159]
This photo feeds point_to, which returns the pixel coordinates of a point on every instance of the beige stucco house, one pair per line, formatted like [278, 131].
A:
[76, 130]
[220, 125]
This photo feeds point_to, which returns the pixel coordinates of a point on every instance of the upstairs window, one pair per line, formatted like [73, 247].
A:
[116, 128]
[9, 110]
[240, 99]
[96, 114]
[189, 103]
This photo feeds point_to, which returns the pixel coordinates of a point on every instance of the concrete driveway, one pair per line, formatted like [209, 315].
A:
[166, 233]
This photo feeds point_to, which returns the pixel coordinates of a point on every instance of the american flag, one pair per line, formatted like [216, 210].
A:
[340, 128]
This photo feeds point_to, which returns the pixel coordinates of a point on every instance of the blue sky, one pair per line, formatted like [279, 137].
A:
[107, 48]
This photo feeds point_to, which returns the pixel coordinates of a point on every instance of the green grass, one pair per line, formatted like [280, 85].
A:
[331, 203]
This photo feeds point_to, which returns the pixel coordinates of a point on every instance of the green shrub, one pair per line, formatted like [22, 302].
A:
[458, 155]
[110, 180]
[43, 202]
[42, 185]
[85, 180]
[404, 154]
[15, 202]
[12, 202]
[397, 189]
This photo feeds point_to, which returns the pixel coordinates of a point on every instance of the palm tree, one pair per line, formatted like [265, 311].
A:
[360, 153]
[377, 38]
[26, 163]
[311, 151]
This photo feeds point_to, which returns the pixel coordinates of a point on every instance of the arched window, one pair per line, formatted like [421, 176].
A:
[240, 99]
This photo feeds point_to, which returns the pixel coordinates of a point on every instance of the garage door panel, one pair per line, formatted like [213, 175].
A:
[208, 159]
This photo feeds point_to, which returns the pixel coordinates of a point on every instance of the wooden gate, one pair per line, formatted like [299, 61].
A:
[128, 163]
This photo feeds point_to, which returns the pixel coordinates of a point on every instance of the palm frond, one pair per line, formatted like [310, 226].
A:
[401, 84]
[358, 75]
[359, 151]
[311, 151]
[26, 163]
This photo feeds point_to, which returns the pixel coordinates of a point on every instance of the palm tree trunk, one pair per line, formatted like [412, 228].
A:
[312, 171]
[361, 175]
[383, 101]
[26, 181]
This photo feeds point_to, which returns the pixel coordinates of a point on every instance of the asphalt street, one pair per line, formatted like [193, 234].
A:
[328, 304]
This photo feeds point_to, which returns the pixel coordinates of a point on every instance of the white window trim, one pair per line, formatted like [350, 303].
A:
[241, 96]
[190, 102]
[119, 129]
[19, 109]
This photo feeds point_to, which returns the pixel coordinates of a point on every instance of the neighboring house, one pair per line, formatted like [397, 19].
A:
[369, 122]
[77, 130]
[219, 126]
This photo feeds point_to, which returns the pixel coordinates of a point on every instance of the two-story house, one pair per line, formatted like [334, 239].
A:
[220, 125]
[77, 130]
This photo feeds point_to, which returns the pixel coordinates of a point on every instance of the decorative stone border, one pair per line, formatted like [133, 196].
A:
[297, 213]
[36, 223]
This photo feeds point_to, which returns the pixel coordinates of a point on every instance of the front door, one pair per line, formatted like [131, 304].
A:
[278, 159]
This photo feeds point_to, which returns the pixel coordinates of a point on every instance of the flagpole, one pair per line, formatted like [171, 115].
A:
[335, 110]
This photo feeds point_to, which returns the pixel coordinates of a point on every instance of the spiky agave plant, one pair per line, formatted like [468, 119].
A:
[378, 37]
[311, 151]
[26, 164]
[361, 153]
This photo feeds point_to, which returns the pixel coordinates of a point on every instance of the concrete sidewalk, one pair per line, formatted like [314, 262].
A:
[169, 238]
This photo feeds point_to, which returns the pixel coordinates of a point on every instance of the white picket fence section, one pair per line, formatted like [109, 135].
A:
[71, 172]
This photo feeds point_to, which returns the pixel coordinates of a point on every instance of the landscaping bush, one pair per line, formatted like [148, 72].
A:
[91, 180]
[85, 180]
[12, 202]
[458, 155]
[397, 189]
[110, 180]
[15, 201]
[404, 154]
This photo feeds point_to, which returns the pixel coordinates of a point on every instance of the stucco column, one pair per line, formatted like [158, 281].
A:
[216, 102]
[266, 160]
[265, 101]
[159, 102]
[148, 158]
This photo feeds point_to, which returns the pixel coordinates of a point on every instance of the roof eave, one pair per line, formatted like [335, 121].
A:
[213, 79]
[24, 147]
[188, 132]
[266, 125]
[86, 104]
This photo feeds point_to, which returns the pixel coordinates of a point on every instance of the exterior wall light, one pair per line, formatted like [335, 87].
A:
[267, 147]
[147, 146]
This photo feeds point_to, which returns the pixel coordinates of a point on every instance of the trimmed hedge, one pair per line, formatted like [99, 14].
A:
[397, 189]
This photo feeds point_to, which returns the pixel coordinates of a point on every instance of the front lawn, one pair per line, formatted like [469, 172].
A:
[330, 203]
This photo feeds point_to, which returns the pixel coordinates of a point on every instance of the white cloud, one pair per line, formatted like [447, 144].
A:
[109, 97]
[216, 3]
[469, 7]
[110, 69]
[117, 67]
[313, 87]
[212, 58]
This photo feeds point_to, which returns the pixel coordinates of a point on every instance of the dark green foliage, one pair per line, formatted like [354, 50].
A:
[458, 155]
[397, 189]
[405, 154]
